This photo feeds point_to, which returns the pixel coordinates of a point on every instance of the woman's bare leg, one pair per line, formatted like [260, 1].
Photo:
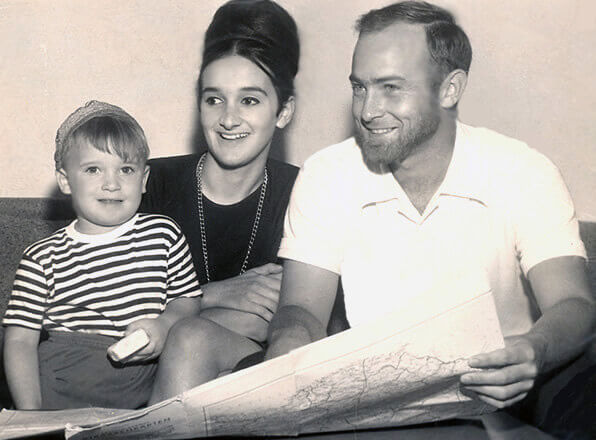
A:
[197, 350]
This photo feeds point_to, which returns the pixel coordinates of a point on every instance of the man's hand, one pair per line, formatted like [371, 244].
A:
[287, 340]
[508, 374]
[256, 291]
[156, 330]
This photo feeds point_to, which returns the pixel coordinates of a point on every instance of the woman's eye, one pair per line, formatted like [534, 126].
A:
[91, 170]
[249, 100]
[212, 100]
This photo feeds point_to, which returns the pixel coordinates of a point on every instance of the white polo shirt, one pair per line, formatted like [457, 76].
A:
[501, 209]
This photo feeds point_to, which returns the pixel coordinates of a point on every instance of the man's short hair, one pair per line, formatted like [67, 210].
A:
[448, 44]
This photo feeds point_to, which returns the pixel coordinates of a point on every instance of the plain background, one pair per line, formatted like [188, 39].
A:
[531, 77]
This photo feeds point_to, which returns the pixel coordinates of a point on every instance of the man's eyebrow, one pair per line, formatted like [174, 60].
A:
[381, 79]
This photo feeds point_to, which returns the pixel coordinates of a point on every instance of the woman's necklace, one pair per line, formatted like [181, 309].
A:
[255, 226]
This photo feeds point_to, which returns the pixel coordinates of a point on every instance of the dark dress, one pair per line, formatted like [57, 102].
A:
[172, 191]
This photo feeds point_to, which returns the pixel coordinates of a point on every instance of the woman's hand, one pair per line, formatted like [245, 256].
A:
[256, 291]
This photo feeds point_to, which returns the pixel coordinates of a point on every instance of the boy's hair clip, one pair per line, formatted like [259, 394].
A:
[80, 116]
[90, 110]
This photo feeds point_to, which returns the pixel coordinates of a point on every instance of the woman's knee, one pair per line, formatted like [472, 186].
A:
[192, 334]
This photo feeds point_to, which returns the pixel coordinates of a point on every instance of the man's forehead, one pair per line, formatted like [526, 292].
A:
[391, 51]
[400, 36]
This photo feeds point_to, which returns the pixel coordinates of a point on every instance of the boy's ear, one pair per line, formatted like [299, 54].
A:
[286, 113]
[145, 178]
[62, 180]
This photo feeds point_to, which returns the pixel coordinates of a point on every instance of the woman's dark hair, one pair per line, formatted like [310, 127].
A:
[260, 31]
[448, 44]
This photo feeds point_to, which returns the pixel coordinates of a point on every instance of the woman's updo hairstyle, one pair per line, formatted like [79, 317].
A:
[260, 31]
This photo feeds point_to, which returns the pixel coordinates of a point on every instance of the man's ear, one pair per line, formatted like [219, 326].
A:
[452, 88]
[145, 178]
[62, 180]
[286, 113]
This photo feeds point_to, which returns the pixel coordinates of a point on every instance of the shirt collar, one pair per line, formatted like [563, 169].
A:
[464, 178]
[467, 170]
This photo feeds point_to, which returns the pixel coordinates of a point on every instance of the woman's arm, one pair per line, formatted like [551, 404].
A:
[246, 303]
[21, 364]
[256, 292]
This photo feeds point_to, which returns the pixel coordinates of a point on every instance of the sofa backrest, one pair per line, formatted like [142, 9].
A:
[22, 222]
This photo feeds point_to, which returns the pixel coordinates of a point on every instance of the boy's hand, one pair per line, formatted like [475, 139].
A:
[157, 332]
[158, 328]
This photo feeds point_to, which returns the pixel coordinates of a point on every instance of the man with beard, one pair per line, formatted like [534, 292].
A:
[417, 199]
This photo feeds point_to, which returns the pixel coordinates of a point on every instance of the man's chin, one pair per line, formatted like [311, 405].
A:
[374, 156]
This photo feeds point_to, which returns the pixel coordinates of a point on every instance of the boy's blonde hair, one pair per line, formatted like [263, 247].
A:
[107, 128]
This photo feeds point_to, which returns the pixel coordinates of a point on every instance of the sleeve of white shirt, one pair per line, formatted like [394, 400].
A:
[544, 216]
[313, 228]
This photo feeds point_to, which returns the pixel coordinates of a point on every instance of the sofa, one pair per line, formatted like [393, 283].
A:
[25, 220]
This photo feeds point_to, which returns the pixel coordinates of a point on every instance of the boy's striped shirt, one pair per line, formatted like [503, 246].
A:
[100, 284]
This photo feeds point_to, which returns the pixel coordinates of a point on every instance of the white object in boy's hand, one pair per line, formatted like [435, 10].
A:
[128, 345]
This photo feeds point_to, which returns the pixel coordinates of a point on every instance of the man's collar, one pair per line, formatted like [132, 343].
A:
[467, 170]
[464, 176]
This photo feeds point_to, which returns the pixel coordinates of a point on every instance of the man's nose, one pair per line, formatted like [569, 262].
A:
[372, 107]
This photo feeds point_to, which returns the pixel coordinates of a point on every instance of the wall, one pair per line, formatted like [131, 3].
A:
[531, 77]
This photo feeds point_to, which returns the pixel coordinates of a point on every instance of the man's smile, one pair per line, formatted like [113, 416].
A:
[380, 130]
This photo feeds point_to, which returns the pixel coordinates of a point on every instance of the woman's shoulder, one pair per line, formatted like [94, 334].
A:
[282, 171]
[173, 164]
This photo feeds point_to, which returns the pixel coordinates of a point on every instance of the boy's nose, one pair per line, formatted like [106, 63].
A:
[110, 182]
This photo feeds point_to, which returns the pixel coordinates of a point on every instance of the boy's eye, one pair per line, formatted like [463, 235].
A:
[250, 100]
[127, 170]
[212, 100]
[91, 170]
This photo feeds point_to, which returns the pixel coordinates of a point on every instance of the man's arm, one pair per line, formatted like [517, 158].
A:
[562, 291]
[306, 299]
[22, 366]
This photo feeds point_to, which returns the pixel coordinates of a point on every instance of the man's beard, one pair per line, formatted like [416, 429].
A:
[383, 157]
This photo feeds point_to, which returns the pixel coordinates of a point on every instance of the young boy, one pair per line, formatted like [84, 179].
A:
[105, 275]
